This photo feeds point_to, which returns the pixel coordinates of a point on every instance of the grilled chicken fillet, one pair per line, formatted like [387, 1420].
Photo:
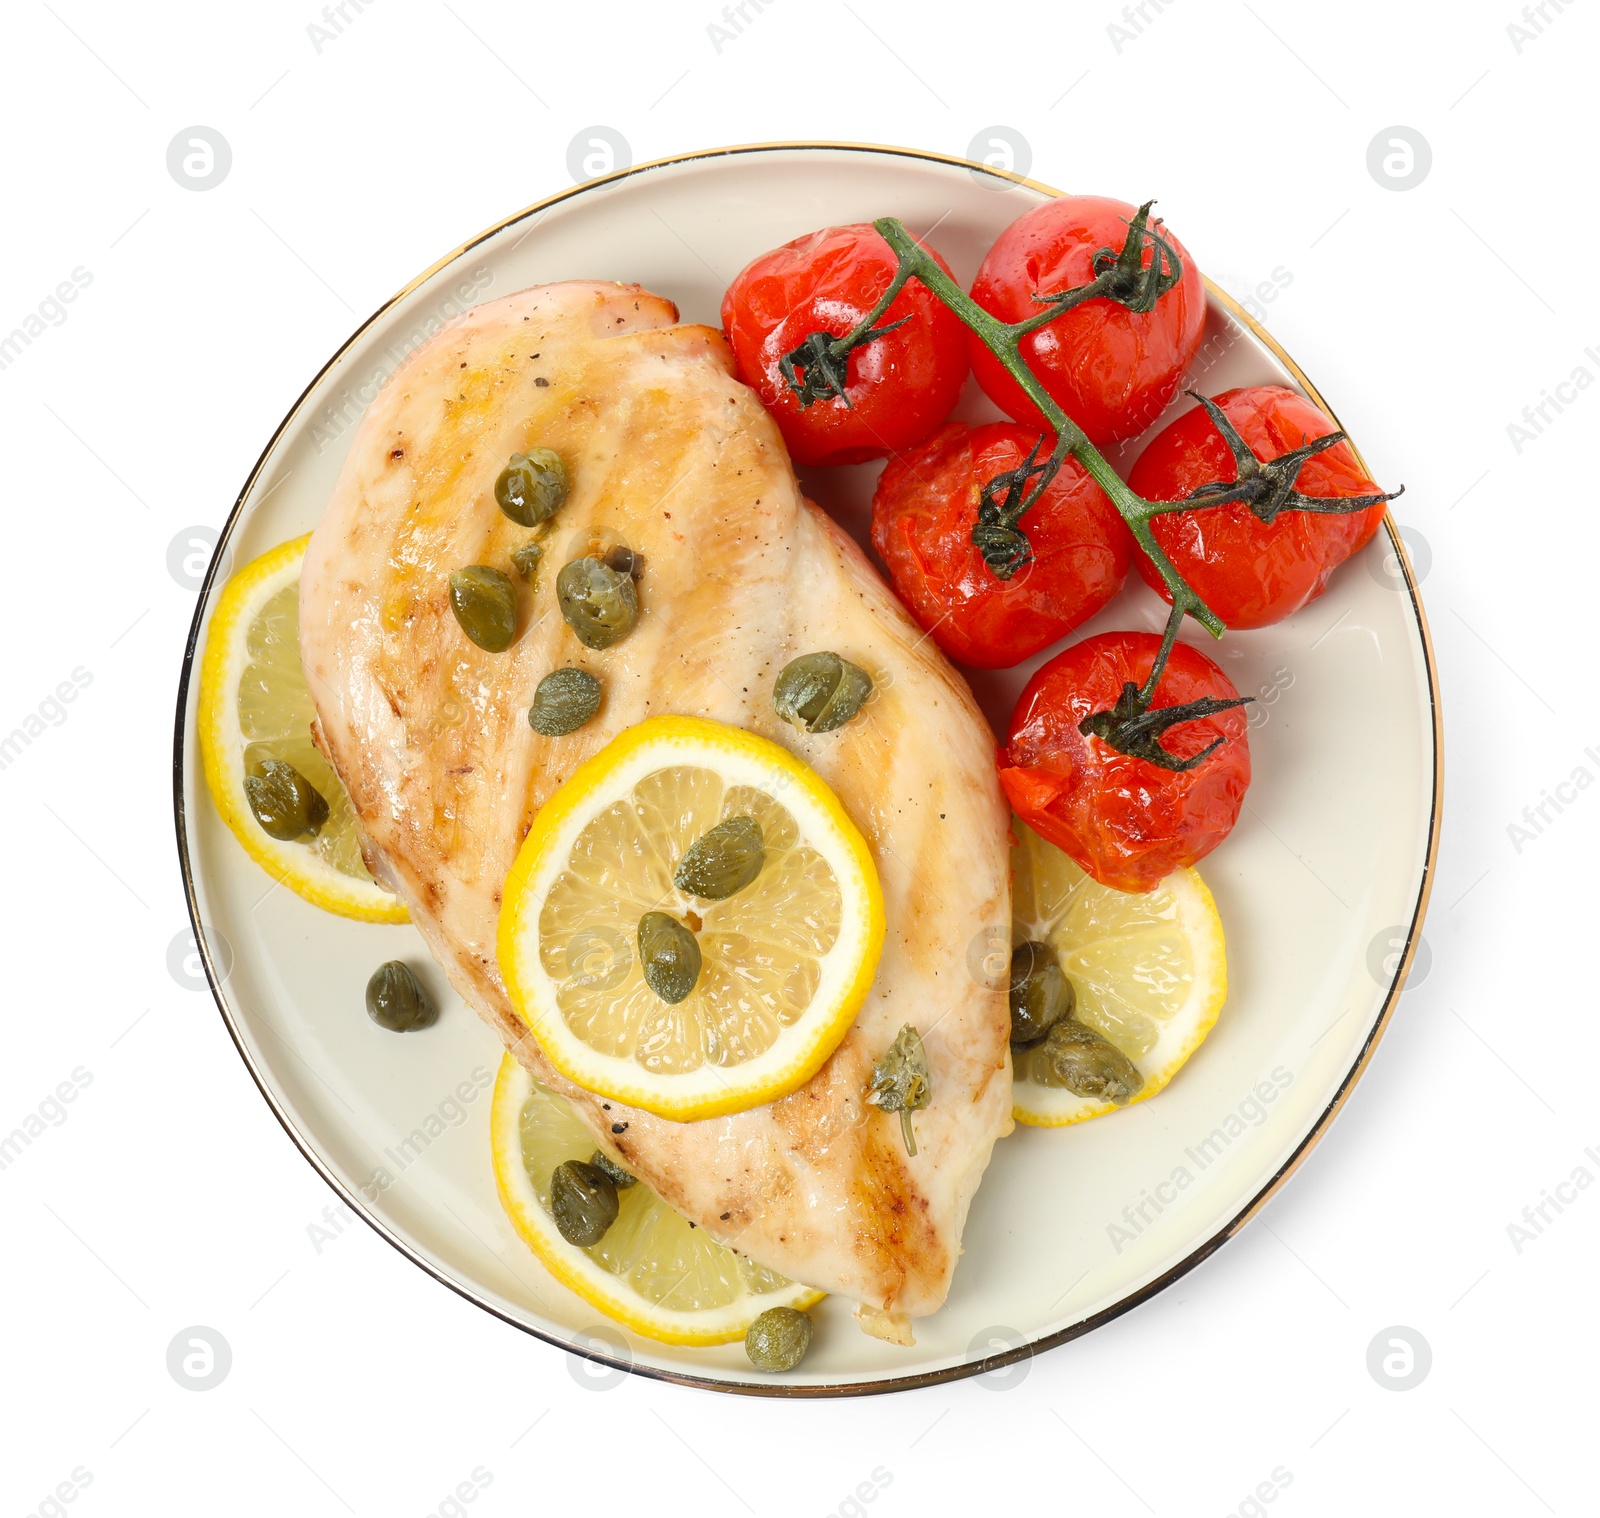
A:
[670, 454]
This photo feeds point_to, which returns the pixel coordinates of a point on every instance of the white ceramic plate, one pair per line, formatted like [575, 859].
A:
[1321, 887]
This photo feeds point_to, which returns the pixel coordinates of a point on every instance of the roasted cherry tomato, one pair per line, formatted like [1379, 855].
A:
[1111, 369]
[899, 387]
[1249, 573]
[1125, 820]
[922, 518]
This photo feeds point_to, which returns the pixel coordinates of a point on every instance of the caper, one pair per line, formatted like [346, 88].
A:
[608, 1166]
[1073, 1055]
[600, 605]
[285, 803]
[584, 1200]
[669, 955]
[778, 1339]
[532, 486]
[525, 561]
[396, 1000]
[820, 692]
[564, 701]
[1041, 995]
[723, 860]
[485, 604]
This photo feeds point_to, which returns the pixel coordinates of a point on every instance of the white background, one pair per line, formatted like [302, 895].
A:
[169, 1197]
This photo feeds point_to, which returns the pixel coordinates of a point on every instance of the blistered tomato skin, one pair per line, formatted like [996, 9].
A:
[900, 386]
[1112, 370]
[1128, 822]
[1251, 574]
[923, 512]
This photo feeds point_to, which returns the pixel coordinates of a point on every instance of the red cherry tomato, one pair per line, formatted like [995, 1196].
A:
[1112, 370]
[1126, 821]
[1251, 574]
[899, 386]
[923, 513]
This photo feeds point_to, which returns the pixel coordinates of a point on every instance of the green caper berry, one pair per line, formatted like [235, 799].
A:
[778, 1339]
[583, 1199]
[396, 1000]
[1074, 1056]
[723, 860]
[669, 955]
[820, 692]
[599, 604]
[1041, 995]
[532, 486]
[564, 701]
[608, 1166]
[485, 604]
[525, 561]
[285, 803]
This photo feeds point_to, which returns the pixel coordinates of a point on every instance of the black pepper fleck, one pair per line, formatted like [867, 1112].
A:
[619, 1127]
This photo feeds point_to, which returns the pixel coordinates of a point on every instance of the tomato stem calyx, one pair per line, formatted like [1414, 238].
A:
[818, 369]
[1120, 275]
[1131, 727]
[1133, 730]
[1001, 502]
[1268, 486]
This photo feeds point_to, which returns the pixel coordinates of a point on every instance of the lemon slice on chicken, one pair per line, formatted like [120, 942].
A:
[653, 1271]
[254, 706]
[784, 961]
[1149, 970]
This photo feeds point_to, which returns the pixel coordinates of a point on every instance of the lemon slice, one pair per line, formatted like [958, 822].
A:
[785, 962]
[254, 705]
[652, 1271]
[1149, 969]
